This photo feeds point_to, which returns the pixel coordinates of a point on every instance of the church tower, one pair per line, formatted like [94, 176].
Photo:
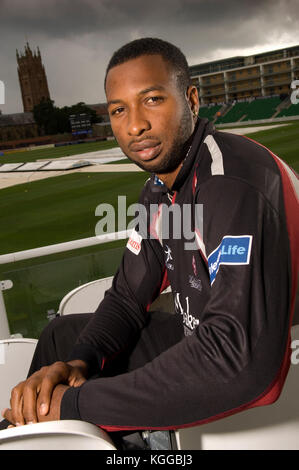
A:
[32, 78]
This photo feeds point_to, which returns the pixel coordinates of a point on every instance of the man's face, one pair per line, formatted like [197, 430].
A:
[150, 118]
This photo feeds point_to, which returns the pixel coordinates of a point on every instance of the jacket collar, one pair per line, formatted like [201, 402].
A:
[202, 128]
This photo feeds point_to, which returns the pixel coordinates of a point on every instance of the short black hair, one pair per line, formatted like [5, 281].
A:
[154, 46]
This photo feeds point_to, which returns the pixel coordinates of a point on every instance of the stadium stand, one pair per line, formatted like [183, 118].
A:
[292, 110]
[262, 108]
[209, 111]
[234, 114]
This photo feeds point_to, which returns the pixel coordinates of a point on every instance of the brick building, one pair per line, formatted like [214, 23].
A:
[17, 126]
[238, 78]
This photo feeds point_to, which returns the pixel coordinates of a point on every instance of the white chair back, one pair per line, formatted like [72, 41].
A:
[85, 298]
[15, 359]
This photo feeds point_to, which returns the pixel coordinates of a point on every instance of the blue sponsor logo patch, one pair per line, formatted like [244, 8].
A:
[232, 250]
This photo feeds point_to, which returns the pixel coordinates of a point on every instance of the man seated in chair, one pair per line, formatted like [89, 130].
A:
[227, 346]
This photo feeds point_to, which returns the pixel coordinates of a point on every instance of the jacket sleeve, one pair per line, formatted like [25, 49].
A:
[124, 310]
[235, 357]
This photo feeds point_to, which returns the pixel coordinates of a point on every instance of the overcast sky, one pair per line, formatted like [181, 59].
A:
[77, 37]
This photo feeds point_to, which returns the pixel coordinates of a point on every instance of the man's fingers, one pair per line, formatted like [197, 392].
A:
[76, 379]
[29, 404]
[16, 403]
[58, 373]
[49, 383]
[29, 388]
[39, 385]
[7, 414]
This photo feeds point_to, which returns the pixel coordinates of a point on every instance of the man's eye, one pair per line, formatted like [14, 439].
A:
[116, 111]
[154, 99]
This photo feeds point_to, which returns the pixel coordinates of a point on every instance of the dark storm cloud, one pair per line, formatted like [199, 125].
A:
[77, 37]
[61, 18]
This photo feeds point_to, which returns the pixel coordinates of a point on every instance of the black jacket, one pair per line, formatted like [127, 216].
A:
[234, 290]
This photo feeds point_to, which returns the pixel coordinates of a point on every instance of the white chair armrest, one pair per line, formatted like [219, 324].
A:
[56, 435]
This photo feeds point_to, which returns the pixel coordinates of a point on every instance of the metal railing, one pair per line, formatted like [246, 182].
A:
[45, 251]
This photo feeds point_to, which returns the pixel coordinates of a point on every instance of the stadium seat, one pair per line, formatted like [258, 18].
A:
[87, 297]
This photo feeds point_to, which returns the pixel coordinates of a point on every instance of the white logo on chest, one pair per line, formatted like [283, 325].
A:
[169, 258]
[189, 321]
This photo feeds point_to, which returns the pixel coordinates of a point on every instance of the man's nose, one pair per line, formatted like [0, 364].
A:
[138, 123]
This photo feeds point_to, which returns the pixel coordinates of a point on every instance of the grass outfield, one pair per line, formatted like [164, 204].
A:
[60, 209]
[51, 211]
[283, 141]
[56, 152]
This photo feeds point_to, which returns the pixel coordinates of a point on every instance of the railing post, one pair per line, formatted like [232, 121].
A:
[4, 327]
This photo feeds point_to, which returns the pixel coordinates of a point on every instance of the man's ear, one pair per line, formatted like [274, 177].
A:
[193, 99]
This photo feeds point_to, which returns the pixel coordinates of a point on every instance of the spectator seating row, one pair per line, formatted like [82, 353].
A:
[251, 110]
[262, 109]
[292, 110]
[209, 111]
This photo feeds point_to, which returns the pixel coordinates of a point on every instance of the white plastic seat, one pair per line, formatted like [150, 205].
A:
[56, 435]
[85, 298]
[15, 359]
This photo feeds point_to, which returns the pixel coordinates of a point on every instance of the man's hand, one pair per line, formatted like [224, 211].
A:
[30, 399]
[54, 408]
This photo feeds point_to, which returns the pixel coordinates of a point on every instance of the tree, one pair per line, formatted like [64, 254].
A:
[43, 113]
[53, 120]
[82, 108]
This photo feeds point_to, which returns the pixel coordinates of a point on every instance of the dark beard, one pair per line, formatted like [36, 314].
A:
[179, 148]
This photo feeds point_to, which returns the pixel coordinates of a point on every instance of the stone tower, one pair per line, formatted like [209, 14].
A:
[32, 77]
